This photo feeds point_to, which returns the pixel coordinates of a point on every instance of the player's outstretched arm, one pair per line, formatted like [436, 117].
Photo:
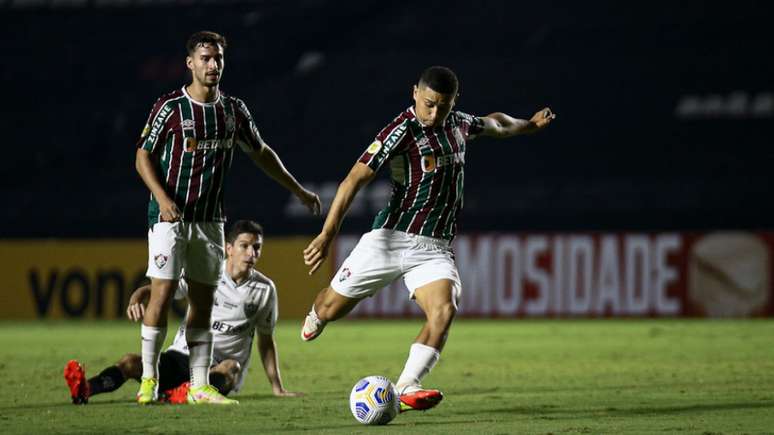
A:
[317, 251]
[144, 165]
[500, 125]
[270, 359]
[270, 163]
[137, 302]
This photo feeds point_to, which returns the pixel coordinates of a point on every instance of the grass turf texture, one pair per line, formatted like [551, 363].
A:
[551, 376]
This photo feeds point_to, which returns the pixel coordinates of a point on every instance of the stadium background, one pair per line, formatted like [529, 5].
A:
[650, 195]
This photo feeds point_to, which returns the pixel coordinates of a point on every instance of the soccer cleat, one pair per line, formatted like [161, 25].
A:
[75, 376]
[420, 400]
[208, 395]
[148, 391]
[177, 395]
[312, 328]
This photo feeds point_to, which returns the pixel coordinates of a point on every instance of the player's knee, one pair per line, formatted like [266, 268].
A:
[130, 365]
[442, 313]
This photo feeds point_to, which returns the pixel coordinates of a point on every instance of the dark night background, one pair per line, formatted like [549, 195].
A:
[665, 109]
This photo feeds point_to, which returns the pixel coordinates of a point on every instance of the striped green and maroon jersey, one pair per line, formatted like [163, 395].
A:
[194, 144]
[427, 166]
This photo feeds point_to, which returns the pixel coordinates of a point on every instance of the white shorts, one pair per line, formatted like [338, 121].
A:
[196, 247]
[382, 256]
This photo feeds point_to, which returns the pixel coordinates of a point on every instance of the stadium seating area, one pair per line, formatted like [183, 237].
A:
[321, 78]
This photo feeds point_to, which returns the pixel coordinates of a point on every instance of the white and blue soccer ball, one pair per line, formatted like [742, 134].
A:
[374, 400]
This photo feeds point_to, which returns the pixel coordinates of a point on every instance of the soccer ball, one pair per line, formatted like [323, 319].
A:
[374, 400]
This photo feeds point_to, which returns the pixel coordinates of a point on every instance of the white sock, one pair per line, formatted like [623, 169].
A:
[152, 340]
[313, 315]
[200, 355]
[421, 360]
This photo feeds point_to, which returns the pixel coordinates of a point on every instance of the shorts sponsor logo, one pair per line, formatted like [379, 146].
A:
[160, 260]
[345, 274]
[374, 147]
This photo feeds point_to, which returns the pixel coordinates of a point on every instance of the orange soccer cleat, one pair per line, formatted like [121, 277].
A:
[420, 400]
[75, 376]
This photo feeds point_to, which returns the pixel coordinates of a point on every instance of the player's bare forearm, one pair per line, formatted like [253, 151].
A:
[268, 351]
[317, 251]
[269, 162]
[137, 301]
[501, 125]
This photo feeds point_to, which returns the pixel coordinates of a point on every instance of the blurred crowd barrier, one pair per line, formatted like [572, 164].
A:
[504, 275]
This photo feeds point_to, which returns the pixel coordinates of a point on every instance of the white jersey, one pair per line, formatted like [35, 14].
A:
[238, 312]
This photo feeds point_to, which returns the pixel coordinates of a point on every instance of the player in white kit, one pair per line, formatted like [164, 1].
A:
[245, 305]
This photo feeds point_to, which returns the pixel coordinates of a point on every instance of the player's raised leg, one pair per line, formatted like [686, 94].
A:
[153, 332]
[437, 300]
[328, 306]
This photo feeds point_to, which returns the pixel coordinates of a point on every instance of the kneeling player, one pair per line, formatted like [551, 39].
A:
[245, 305]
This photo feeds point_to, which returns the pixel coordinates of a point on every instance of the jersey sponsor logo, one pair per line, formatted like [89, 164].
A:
[430, 162]
[226, 329]
[191, 144]
[158, 123]
[188, 124]
[160, 260]
[395, 136]
[374, 147]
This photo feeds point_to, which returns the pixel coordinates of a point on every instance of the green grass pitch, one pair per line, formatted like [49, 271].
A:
[531, 377]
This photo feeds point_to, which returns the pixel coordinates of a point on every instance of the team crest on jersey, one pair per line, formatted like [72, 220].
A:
[428, 163]
[374, 147]
[250, 309]
[160, 260]
[230, 125]
[188, 124]
[345, 273]
[190, 144]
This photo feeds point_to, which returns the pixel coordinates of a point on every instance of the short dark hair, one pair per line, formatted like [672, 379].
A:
[204, 37]
[243, 227]
[440, 79]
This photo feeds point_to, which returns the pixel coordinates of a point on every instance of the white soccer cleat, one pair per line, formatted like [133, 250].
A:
[313, 327]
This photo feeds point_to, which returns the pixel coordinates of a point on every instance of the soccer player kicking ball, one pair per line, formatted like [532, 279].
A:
[411, 237]
[246, 305]
[183, 155]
